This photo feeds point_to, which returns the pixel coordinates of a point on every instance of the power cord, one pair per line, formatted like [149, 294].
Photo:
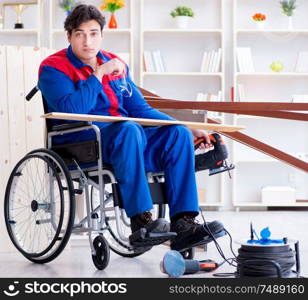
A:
[231, 261]
[266, 262]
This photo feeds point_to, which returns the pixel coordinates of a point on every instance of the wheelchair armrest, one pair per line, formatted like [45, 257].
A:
[70, 126]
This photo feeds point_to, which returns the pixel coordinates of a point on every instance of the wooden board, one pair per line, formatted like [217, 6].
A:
[16, 103]
[35, 126]
[143, 122]
[21, 128]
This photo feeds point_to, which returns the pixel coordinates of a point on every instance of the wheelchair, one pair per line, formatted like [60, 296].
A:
[40, 201]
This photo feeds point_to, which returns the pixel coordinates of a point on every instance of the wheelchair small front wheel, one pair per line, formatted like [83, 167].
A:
[102, 252]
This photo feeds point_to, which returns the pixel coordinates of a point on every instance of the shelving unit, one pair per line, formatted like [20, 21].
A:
[152, 28]
[117, 40]
[30, 35]
[158, 32]
[274, 43]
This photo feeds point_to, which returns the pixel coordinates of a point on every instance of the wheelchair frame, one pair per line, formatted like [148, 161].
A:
[96, 219]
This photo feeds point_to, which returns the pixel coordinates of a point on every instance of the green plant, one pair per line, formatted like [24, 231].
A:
[182, 11]
[68, 5]
[288, 7]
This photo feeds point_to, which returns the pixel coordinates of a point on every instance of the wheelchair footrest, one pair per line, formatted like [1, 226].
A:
[205, 241]
[142, 238]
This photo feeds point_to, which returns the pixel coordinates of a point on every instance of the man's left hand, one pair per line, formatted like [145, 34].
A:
[197, 133]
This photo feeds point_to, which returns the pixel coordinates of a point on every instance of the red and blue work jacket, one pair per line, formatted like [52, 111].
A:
[68, 85]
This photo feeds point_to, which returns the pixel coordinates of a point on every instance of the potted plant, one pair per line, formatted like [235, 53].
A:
[288, 7]
[259, 19]
[68, 5]
[182, 15]
[111, 6]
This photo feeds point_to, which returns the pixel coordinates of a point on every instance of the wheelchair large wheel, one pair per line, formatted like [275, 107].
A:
[40, 205]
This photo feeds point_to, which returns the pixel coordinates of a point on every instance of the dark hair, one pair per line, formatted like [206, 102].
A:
[83, 13]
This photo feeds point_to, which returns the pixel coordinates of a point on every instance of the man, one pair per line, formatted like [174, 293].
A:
[84, 79]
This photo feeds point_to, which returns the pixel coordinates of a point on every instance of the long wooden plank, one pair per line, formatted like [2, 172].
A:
[288, 115]
[238, 136]
[265, 148]
[234, 106]
[143, 122]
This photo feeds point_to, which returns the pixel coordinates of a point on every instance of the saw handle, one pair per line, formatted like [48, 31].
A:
[200, 140]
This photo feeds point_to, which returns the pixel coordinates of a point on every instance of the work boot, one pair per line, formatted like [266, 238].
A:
[145, 220]
[189, 232]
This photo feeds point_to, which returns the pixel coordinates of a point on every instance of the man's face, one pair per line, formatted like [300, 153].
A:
[86, 40]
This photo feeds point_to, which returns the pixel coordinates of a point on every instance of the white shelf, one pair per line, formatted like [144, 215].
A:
[247, 116]
[182, 82]
[260, 204]
[269, 30]
[218, 118]
[106, 30]
[188, 31]
[180, 74]
[19, 31]
[210, 205]
[257, 161]
[267, 45]
[30, 35]
[276, 74]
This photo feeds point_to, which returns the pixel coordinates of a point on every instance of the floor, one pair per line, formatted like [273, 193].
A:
[77, 261]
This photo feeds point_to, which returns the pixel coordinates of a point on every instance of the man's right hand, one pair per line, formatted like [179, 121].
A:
[113, 66]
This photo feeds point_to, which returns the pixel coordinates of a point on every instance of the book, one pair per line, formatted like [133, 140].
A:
[240, 62]
[160, 61]
[203, 61]
[211, 62]
[232, 93]
[218, 60]
[148, 61]
[163, 63]
[208, 60]
[156, 60]
[219, 96]
[241, 93]
[302, 62]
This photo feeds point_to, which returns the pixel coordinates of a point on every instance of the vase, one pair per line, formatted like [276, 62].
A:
[112, 21]
[182, 22]
[290, 23]
[260, 24]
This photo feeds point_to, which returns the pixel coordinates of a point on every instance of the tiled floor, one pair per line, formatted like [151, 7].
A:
[77, 261]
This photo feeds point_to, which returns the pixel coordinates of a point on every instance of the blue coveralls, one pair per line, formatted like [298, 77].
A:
[69, 86]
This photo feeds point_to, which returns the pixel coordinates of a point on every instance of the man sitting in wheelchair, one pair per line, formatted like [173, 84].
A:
[85, 79]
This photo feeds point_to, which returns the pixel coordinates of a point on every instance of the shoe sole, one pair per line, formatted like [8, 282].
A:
[215, 227]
